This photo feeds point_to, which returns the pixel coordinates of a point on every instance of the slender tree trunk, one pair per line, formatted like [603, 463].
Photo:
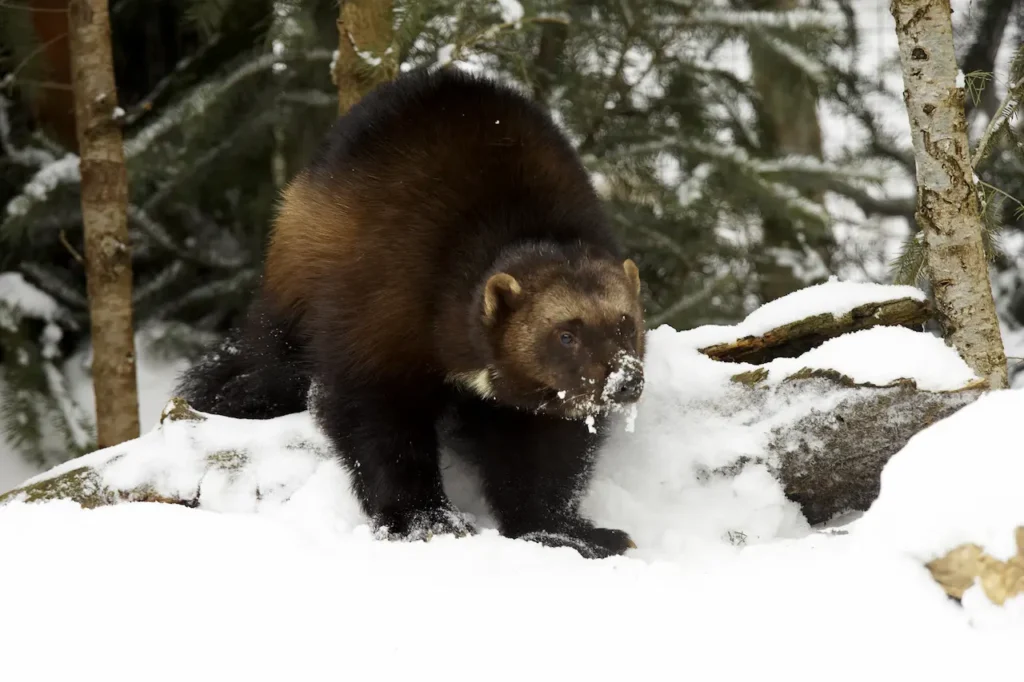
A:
[365, 55]
[104, 206]
[948, 210]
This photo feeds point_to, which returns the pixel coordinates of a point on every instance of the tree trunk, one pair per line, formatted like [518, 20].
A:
[947, 203]
[104, 206]
[788, 124]
[365, 58]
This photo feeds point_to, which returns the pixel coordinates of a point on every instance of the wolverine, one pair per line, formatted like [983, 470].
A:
[442, 273]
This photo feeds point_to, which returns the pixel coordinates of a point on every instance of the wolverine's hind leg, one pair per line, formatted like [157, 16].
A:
[534, 470]
[385, 435]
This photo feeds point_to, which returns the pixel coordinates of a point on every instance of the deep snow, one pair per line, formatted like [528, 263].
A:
[728, 580]
[300, 591]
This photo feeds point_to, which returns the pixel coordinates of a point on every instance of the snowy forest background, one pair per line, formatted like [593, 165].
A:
[741, 156]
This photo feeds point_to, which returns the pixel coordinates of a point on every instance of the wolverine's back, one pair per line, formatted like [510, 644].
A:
[412, 195]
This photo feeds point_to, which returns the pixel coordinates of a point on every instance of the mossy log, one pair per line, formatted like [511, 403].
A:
[830, 461]
[84, 484]
[796, 338]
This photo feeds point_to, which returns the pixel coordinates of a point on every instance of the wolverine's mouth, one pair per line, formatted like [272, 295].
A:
[579, 406]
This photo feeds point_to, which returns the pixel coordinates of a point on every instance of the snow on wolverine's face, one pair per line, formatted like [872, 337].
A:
[567, 343]
[590, 369]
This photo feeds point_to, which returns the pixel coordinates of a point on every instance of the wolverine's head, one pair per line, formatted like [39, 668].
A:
[566, 336]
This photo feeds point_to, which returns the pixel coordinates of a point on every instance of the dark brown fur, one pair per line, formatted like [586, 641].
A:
[443, 269]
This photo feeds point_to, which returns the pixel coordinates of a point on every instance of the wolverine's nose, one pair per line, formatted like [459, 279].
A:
[628, 388]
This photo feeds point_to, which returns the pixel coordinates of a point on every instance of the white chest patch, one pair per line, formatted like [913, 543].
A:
[479, 382]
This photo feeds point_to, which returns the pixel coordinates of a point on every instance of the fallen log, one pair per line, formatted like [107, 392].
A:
[824, 435]
[830, 461]
[796, 338]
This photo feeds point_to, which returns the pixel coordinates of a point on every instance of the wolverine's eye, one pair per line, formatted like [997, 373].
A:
[567, 339]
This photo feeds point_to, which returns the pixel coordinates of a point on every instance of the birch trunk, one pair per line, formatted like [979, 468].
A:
[104, 207]
[948, 211]
[365, 58]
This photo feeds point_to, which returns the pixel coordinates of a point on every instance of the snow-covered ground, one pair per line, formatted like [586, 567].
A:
[156, 378]
[728, 580]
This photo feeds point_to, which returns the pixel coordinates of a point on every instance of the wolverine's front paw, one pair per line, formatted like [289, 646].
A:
[419, 524]
[594, 543]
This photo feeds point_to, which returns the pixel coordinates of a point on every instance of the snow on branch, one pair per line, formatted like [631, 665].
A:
[28, 156]
[204, 95]
[46, 179]
[65, 170]
[755, 20]
[807, 64]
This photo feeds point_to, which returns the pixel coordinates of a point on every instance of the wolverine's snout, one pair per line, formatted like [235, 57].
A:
[625, 383]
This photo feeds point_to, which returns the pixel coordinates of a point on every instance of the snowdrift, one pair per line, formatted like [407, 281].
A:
[722, 481]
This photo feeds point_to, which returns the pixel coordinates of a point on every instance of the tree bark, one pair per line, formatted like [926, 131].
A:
[104, 207]
[365, 34]
[796, 338]
[788, 124]
[948, 210]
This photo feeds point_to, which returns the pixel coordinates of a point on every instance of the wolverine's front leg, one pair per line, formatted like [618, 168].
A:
[386, 437]
[535, 469]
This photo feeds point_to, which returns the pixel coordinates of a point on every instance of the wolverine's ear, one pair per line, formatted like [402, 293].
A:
[633, 274]
[501, 289]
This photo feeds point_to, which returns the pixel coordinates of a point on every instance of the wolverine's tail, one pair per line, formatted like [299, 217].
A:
[257, 372]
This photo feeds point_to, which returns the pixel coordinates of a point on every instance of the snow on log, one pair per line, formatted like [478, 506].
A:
[718, 449]
[796, 338]
[951, 500]
[792, 325]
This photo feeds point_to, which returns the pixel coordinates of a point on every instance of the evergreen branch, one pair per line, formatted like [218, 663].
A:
[65, 170]
[10, 77]
[73, 421]
[229, 143]
[311, 97]
[202, 96]
[684, 303]
[892, 207]
[37, 189]
[1007, 108]
[457, 50]
[663, 240]
[53, 285]
[146, 103]
[27, 157]
[241, 281]
[616, 84]
[155, 231]
[803, 62]
[908, 266]
[757, 20]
